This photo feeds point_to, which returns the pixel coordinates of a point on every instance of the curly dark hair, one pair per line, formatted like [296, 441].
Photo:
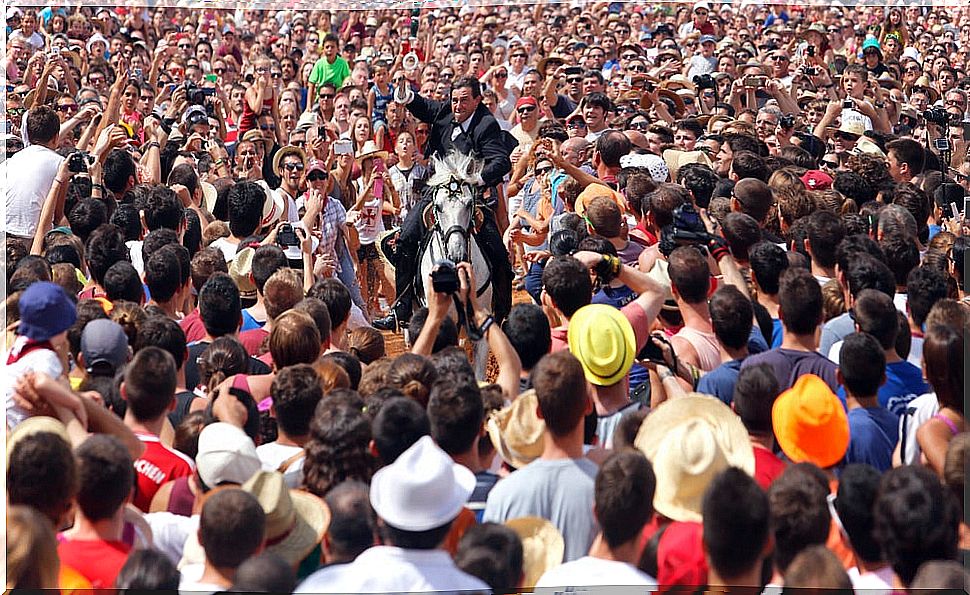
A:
[338, 448]
[872, 169]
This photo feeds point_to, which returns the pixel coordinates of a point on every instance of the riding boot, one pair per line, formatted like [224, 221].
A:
[490, 242]
[412, 230]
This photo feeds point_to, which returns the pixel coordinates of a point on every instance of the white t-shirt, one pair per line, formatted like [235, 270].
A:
[273, 454]
[29, 176]
[134, 253]
[879, 582]
[608, 576]
[228, 248]
[370, 224]
[923, 408]
[38, 360]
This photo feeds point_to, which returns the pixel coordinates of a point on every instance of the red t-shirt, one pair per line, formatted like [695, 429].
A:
[192, 327]
[96, 560]
[252, 340]
[767, 467]
[157, 465]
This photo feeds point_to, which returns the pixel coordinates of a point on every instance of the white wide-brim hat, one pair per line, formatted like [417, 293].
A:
[421, 490]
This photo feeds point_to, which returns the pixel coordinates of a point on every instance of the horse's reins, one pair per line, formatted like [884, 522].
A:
[466, 314]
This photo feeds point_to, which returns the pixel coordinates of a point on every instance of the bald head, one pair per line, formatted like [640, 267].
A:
[575, 150]
[752, 197]
[637, 138]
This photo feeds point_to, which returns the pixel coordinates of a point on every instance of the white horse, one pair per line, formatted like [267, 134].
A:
[451, 220]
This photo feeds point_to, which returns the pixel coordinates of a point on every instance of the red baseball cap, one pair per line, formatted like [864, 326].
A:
[527, 100]
[815, 179]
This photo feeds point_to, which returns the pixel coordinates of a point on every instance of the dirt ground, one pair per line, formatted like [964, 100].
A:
[394, 342]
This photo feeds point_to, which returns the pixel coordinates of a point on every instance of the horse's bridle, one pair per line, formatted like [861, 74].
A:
[454, 191]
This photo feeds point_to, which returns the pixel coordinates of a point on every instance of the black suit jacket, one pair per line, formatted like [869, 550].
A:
[484, 139]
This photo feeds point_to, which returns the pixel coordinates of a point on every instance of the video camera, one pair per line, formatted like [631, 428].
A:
[687, 229]
[444, 277]
[196, 95]
[939, 116]
[704, 81]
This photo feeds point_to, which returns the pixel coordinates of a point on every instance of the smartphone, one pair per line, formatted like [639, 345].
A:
[573, 70]
[966, 131]
[848, 104]
[379, 187]
[812, 71]
[212, 78]
[954, 212]
[343, 147]
[755, 81]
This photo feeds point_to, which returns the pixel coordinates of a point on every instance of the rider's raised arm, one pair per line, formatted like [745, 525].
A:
[425, 110]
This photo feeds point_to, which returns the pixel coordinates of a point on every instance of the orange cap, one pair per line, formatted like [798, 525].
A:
[810, 423]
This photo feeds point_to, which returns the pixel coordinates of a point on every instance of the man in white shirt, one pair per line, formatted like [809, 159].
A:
[231, 529]
[416, 499]
[625, 486]
[296, 391]
[29, 174]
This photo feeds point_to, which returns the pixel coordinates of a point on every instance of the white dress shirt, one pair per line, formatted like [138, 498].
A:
[388, 569]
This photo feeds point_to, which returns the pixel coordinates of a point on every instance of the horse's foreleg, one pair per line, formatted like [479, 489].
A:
[480, 359]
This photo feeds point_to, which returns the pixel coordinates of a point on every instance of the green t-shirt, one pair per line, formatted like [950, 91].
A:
[325, 72]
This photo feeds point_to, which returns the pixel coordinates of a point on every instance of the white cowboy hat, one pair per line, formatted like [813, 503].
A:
[370, 149]
[272, 205]
[421, 490]
[689, 441]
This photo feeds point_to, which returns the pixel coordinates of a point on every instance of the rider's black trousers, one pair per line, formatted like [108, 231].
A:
[406, 261]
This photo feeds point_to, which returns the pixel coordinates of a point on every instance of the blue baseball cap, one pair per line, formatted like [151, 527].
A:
[45, 311]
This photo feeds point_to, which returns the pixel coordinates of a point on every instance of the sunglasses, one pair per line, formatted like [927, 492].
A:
[846, 136]
[576, 124]
[67, 107]
[327, 95]
[780, 58]
[637, 68]
[265, 127]
[518, 56]
[276, 75]
[502, 75]
[641, 126]
[543, 171]
[912, 69]
[316, 176]
[16, 112]
[574, 80]
[293, 166]
[629, 56]
[701, 12]
[527, 109]
[185, 46]
[219, 70]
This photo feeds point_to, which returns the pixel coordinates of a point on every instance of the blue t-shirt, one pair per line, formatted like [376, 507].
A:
[249, 323]
[721, 380]
[776, 333]
[789, 364]
[904, 382]
[872, 437]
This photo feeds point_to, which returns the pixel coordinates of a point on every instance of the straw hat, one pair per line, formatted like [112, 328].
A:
[923, 83]
[516, 431]
[552, 59]
[679, 81]
[241, 270]
[689, 441]
[680, 107]
[677, 159]
[542, 546]
[35, 425]
[209, 196]
[285, 152]
[810, 423]
[295, 520]
[602, 339]
[369, 150]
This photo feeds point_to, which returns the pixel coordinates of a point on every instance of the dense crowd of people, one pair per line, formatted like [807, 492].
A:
[736, 233]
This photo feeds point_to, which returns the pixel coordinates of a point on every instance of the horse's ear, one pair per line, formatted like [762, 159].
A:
[428, 216]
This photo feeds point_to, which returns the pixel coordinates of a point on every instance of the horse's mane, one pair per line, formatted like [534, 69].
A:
[458, 165]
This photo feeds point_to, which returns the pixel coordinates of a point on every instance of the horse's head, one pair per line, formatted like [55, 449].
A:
[454, 187]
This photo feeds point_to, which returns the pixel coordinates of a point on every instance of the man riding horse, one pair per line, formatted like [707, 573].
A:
[466, 125]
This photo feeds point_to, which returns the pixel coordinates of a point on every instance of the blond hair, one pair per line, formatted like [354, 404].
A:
[32, 561]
